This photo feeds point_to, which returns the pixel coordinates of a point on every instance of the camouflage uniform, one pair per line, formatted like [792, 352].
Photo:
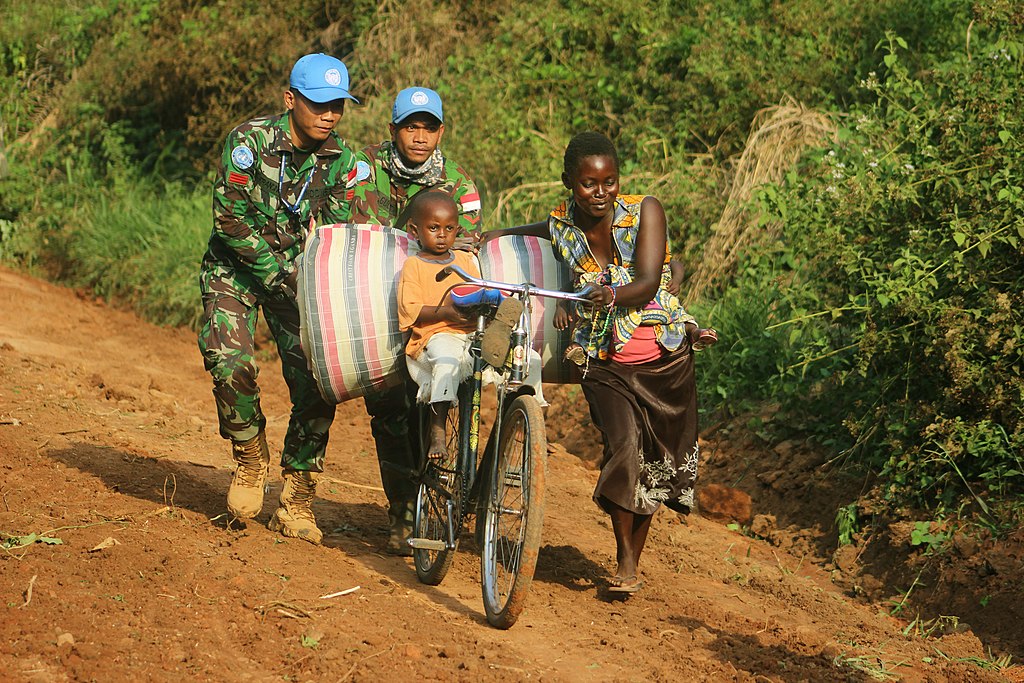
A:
[259, 228]
[380, 198]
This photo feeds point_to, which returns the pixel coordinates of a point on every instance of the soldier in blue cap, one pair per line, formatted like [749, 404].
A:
[388, 176]
[277, 176]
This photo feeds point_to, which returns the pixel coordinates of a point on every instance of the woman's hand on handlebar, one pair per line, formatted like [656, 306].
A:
[599, 295]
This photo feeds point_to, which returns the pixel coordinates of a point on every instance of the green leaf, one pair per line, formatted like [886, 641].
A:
[1005, 136]
[984, 247]
[959, 238]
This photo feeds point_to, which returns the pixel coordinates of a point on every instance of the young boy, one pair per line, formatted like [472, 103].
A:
[438, 347]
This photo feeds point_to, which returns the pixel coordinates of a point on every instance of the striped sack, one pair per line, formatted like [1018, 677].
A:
[348, 308]
[348, 304]
[518, 259]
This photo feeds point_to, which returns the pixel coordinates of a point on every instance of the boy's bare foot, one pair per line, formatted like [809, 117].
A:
[438, 447]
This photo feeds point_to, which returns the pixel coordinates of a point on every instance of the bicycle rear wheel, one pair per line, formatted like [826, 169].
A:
[515, 512]
[439, 500]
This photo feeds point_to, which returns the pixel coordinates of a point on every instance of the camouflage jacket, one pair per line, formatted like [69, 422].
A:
[264, 195]
[381, 199]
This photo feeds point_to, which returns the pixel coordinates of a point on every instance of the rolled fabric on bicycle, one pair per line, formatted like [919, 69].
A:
[520, 258]
[348, 307]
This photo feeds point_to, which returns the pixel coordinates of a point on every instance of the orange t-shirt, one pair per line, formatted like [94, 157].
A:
[418, 287]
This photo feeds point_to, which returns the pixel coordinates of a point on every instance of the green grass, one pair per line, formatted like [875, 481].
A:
[141, 247]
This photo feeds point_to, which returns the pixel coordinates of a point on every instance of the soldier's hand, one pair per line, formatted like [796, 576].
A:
[468, 242]
[289, 288]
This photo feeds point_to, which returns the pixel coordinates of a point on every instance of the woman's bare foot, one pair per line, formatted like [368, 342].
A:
[624, 584]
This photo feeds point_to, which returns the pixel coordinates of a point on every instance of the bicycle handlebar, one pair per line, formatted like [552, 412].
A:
[509, 287]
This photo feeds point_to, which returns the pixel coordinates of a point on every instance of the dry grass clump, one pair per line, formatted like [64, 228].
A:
[780, 135]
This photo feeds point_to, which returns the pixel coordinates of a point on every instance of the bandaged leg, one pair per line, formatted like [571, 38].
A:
[440, 368]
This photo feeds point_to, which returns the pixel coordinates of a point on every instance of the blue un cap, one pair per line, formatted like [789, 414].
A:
[415, 100]
[321, 78]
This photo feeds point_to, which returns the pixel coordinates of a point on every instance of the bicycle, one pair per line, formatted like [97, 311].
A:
[504, 486]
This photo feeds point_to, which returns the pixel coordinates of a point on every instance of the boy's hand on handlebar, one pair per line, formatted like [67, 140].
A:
[453, 314]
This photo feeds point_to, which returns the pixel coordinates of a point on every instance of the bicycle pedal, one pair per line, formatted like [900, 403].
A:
[427, 544]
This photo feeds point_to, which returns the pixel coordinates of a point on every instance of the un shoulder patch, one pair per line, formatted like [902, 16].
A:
[242, 157]
[362, 170]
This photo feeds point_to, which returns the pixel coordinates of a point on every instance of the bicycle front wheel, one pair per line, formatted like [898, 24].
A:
[439, 505]
[515, 512]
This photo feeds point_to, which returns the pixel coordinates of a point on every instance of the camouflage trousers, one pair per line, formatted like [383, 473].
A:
[226, 339]
[394, 423]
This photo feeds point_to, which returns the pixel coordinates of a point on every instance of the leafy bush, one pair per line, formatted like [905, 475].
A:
[906, 283]
[886, 319]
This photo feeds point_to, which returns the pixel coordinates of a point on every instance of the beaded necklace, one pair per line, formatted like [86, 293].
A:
[596, 338]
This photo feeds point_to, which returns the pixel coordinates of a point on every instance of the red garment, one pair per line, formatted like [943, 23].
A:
[640, 348]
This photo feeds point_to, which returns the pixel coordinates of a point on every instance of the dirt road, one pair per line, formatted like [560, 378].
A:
[110, 456]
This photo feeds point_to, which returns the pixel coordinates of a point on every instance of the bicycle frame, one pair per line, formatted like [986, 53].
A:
[505, 487]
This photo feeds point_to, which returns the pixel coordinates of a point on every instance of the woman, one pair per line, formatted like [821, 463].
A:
[634, 346]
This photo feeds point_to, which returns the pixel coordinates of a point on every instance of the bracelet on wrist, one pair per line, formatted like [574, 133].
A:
[611, 290]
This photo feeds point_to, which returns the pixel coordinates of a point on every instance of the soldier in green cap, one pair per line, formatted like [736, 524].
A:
[388, 175]
[278, 176]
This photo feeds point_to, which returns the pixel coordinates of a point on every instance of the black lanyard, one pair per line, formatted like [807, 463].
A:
[292, 208]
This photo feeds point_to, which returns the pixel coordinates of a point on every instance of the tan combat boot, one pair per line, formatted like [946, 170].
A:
[401, 518]
[245, 495]
[295, 517]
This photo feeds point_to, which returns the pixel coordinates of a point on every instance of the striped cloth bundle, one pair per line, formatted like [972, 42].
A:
[348, 307]
[517, 259]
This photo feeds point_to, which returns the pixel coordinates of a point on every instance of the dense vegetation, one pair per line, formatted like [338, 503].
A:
[881, 315]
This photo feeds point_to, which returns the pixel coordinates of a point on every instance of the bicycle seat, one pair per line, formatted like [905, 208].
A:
[477, 299]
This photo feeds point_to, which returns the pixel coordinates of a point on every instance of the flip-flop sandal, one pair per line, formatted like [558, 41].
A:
[576, 354]
[707, 338]
[498, 336]
[626, 587]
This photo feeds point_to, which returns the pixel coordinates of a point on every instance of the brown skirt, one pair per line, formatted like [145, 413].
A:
[647, 414]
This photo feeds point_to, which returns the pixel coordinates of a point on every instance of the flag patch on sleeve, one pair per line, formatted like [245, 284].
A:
[236, 178]
[350, 182]
[470, 202]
